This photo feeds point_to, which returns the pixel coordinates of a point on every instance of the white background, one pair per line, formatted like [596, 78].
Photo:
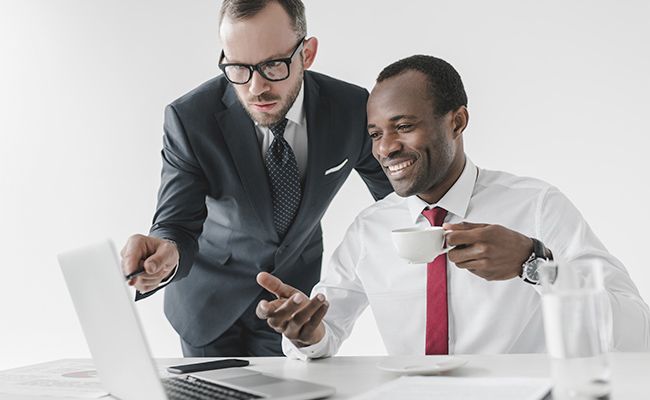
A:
[557, 90]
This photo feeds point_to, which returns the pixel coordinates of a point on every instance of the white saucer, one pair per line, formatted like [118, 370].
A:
[421, 365]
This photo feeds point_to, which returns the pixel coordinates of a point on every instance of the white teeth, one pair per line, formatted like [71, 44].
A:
[395, 168]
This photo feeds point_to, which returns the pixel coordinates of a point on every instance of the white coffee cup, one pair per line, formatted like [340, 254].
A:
[420, 244]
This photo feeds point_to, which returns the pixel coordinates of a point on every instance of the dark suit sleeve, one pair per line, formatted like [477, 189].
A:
[181, 209]
[367, 166]
[371, 172]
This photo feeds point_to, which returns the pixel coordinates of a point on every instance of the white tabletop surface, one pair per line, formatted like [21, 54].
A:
[356, 375]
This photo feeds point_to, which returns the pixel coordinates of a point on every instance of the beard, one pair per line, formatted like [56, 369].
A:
[269, 120]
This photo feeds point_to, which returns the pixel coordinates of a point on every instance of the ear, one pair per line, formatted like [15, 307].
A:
[309, 50]
[459, 120]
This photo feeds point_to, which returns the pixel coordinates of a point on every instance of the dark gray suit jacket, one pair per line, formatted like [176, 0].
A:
[214, 200]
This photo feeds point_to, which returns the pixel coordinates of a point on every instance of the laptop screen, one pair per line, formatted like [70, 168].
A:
[110, 323]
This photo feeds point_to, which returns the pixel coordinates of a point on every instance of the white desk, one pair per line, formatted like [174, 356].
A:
[355, 375]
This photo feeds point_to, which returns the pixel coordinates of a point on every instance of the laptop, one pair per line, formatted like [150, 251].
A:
[119, 348]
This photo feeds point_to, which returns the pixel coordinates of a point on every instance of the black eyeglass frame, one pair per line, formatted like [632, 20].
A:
[259, 66]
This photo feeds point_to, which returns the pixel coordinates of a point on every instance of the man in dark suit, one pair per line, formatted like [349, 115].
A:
[251, 161]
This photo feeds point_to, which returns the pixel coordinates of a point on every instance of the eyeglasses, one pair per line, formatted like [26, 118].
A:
[273, 70]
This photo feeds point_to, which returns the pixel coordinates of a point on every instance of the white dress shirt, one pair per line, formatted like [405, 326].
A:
[484, 317]
[295, 134]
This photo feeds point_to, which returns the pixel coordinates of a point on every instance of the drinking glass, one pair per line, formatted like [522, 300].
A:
[574, 305]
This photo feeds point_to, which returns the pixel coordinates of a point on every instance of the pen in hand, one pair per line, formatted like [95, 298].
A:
[135, 273]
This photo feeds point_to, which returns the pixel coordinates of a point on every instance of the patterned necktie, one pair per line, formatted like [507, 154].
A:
[437, 320]
[284, 179]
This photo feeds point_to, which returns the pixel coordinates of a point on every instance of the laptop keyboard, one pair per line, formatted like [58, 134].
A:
[190, 388]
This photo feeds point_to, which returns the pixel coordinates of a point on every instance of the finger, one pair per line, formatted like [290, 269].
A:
[133, 281]
[263, 309]
[462, 226]
[302, 317]
[485, 273]
[464, 253]
[267, 309]
[157, 254]
[133, 252]
[484, 269]
[148, 288]
[465, 236]
[155, 263]
[281, 311]
[163, 256]
[145, 281]
[274, 285]
[471, 264]
[144, 284]
[309, 333]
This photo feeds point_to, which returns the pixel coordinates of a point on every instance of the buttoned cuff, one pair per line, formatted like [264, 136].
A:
[303, 353]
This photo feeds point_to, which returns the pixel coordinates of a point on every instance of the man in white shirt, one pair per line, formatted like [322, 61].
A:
[417, 113]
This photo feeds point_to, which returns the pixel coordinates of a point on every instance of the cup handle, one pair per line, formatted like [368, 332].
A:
[446, 249]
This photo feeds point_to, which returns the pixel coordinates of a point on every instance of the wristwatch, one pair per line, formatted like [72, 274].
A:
[529, 270]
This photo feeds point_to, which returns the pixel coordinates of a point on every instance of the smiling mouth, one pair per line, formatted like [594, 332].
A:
[398, 168]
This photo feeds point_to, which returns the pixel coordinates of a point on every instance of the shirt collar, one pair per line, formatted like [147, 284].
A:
[455, 201]
[297, 111]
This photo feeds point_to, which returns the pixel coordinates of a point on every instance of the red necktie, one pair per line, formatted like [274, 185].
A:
[437, 325]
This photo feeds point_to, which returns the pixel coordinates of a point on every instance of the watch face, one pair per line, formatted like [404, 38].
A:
[532, 272]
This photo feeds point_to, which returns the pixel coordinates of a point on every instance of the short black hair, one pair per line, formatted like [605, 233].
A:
[446, 89]
[242, 9]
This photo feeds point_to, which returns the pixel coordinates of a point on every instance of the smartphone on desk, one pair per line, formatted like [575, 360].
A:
[208, 365]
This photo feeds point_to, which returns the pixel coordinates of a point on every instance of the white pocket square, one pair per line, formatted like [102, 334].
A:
[338, 167]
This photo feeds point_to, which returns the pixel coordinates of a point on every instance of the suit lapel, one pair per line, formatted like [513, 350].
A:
[238, 131]
[319, 121]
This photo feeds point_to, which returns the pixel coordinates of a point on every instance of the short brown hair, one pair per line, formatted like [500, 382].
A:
[242, 9]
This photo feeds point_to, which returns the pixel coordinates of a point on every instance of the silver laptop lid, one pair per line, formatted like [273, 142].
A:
[115, 337]
[110, 323]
